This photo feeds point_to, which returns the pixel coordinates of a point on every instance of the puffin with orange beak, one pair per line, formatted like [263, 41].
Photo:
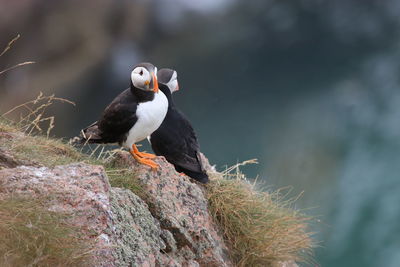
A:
[132, 116]
[176, 139]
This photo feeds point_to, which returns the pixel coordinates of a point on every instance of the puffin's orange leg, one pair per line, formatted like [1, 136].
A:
[148, 162]
[142, 154]
[147, 155]
[182, 174]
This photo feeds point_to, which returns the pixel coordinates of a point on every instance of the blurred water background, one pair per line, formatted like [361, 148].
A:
[309, 87]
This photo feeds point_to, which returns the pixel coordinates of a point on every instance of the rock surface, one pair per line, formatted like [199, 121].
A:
[170, 226]
[178, 203]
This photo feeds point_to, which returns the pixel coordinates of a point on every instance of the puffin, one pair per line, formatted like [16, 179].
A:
[132, 116]
[176, 139]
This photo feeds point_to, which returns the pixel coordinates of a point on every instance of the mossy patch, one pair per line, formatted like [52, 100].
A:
[125, 178]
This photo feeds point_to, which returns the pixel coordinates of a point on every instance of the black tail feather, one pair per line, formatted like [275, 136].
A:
[201, 177]
[88, 135]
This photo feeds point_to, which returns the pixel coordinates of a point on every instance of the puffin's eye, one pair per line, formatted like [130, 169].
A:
[141, 72]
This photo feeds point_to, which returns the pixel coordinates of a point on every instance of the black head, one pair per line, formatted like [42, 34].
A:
[168, 77]
[144, 77]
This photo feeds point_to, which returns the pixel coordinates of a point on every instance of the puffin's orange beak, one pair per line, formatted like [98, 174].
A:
[155, 82]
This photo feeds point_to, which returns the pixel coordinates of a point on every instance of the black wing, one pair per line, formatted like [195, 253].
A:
[176, 140]
[118, 118]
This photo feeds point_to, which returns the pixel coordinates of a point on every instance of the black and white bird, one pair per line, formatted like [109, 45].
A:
[133, 115]
[175, 139]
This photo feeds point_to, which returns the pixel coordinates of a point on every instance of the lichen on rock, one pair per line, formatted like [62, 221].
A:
[179, 205]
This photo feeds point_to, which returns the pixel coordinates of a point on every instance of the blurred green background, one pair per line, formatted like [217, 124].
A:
[309, 87]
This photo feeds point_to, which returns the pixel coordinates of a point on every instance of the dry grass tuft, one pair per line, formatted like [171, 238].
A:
[37, 149]
[32, 118]
[6, 126]
[8, 47]
[28, 141]
[47, 152]
[261, 228]
[30, 235]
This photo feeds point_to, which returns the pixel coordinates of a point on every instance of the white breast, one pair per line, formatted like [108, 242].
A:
[150, 115]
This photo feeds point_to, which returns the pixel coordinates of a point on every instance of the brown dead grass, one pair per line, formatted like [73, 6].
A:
[37, 149]
[5, 126]
[261, 228]
[31, 235]
[8, 47]
[32, 115]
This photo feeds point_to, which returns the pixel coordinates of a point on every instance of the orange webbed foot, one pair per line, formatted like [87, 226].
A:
[142, 154]
[154, 166]
[136, 155]
[146, 155]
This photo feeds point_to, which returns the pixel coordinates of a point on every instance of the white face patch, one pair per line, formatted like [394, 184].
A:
[141, 78]
[173, 83]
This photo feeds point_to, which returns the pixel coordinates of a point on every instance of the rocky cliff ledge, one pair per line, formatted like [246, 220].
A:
[172, 229]
[165, 221]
